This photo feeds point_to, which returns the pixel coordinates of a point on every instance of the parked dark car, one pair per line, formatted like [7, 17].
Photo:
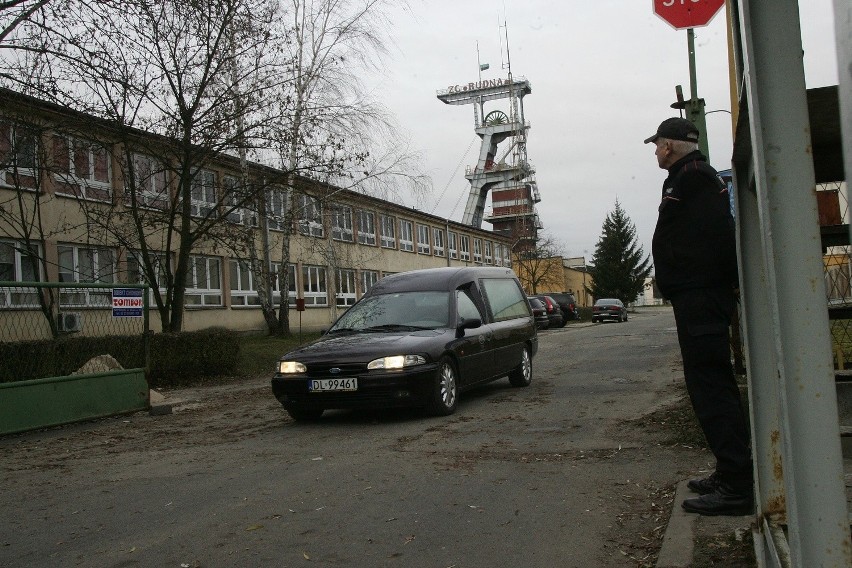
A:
[567, 304]
[609, 309]
[539, 313]
[554, 314]
[415, 339]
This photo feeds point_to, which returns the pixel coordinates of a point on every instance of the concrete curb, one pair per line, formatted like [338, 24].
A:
[677, 548]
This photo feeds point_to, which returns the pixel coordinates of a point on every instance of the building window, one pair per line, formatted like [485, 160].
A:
[82, 265]
[82, 167]
[465, 248]
[314, 286]
[451, 245]
[341, 223]
[406, 235]
[276, 208]
[18, 155]
[368, 278]
[238, 202]
[18, 263]
[507, 256]
[423, 239]
[203, 193]
[291, 281]
[309, 215]
[438, 242]
[243, 289]
[149, 177]
[345, 295]
[498, 254]
[136, 269]
[477, 251]
[388, 231]
[367, 228]
[489, 258]
[204, 282]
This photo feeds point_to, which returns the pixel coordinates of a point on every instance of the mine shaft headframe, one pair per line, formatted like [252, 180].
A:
[485, 90]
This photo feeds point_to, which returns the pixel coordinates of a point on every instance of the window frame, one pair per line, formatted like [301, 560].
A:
[464, 248]
[314, 286]
[71, 155]
[438, 241]
[346, 292]
[203, 193]
[19, 140]
[101, 298]
[477, 250]
[208, 296]
[452, 245]
[341, 223]
[406, 235]
[242, 215]
[309, 216]
[424, 243]
[387, 226]
[366, 227]
[368, 279]
[152, 191]
[25, 296]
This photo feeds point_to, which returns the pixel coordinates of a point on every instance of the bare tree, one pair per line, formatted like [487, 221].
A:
[330, 130]
[168, 68]
[540, 265]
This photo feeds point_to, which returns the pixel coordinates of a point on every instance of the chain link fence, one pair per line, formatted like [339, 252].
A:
[59, 329]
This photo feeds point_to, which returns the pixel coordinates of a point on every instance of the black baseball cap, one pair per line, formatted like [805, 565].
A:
[675, 129]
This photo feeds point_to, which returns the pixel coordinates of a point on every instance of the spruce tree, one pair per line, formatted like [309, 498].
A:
[619, 269]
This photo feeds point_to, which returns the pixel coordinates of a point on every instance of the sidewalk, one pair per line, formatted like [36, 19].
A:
[678, 549]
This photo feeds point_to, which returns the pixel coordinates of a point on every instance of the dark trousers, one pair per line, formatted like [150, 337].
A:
[703, 317]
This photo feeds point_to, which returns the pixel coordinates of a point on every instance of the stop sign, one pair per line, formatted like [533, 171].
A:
[683, 14]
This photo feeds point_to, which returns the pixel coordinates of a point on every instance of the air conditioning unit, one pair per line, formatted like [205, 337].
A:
[69, 321]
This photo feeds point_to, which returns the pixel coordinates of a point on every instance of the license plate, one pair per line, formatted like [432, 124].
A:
[324, 385]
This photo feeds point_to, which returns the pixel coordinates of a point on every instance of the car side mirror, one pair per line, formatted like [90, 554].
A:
[471, 323]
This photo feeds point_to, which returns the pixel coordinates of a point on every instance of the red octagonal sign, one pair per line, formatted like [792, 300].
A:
[682, 14]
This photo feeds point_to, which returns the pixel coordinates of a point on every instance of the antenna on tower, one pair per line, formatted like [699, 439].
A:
[508, 63]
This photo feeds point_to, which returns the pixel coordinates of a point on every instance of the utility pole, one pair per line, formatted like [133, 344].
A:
[694, 107]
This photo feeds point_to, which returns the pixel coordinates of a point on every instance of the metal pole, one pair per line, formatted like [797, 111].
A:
[785, 214]
[695, 108]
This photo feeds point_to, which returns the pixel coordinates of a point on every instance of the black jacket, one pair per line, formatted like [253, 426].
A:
[694, 244]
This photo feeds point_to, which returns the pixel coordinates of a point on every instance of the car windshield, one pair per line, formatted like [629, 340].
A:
[397, 311]
[606, 302]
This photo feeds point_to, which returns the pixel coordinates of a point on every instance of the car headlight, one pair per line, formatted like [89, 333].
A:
[290, 367]
[396, 362]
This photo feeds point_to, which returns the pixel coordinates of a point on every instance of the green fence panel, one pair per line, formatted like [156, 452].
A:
[39, 403]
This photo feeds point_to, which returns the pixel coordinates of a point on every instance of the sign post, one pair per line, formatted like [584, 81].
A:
[689, 14]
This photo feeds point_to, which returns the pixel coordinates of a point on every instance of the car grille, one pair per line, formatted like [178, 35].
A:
[346, 370]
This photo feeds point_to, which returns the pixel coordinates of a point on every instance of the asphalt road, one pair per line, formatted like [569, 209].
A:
[555, 474]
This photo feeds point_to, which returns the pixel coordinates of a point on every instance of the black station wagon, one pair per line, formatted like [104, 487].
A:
[415, 339]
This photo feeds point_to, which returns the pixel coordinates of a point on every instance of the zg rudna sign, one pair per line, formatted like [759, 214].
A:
[127, 302]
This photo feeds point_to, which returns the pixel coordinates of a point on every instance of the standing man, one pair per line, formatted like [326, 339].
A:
[695, 264]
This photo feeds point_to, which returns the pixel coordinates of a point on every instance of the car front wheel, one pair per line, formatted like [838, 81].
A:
[521, 376]
[445, 395]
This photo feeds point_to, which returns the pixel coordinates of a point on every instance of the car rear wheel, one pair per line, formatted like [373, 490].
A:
[304, 414]
[564, 319]
[521, 376]
[445, 395]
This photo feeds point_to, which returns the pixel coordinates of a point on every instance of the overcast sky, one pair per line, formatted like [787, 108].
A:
[603, 75]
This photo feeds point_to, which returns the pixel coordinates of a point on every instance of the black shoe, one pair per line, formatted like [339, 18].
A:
[723, 501]
[704, 485]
